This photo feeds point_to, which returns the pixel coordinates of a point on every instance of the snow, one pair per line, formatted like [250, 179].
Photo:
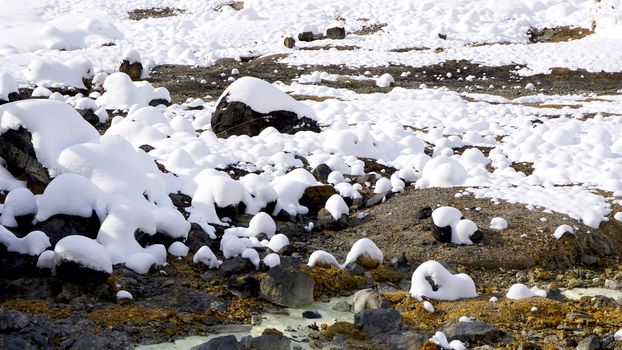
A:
[124, 294]
[33, 243]
[320, 257]
[450, 287]
[442, 171]
[54, 127]
[290, 188]
[83, 251]
[55, 74]
[178, 249]
[231, 246]
[561, 230]
[520, 291]
[18, 202]
[461, 229]
[132, 56]
[47, 260]
[618, 335]
[7, 86]
[262, 223]
[618, 216]
[140, 263]
[264, 97]
[498, 223]
[41, 91]
[383, 185]
[364, 248]
[440, 339]
[122, 93]
[337, 207]
[252, 255]
[278, 242]
[271, 260]
[427, 306]
[385, 80]
[205, 256]
[86, 198]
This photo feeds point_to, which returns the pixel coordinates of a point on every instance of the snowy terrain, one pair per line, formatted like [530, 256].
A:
[433, 136]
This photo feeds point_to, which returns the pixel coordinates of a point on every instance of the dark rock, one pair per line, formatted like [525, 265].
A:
[321, 172]
[134, 70]
[442, 36]
[555, 294]
[363, 179]
[376, 199]
[287, 250]
[13, 96]
[16, 343]
[424, 213]
[227, 342]
[244, 286]
[399, 262]
[315, 197]
[589, 343]
[90, 341]
[15, 265]
[356, 269]
[197, 237]
[89, 115]
[407, 340]
[236, 118]
[11, 321]
[159, 101]
[236, 266]
[287, 287]
[441, 234]
[180, 200]
[336, 33]
[74, 281]
[477, 236]
[378, 323]
[146, 148]
[311, 314]
[325, 220]
[271, 342]
[306, 36]
[19, 154]
[289, 42]
[59, 226]
[473, 331]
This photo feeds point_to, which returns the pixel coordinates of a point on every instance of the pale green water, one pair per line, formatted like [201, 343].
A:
[292, 324]
[578, 293]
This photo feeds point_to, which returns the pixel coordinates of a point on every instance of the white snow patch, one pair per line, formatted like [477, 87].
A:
[520, 291]
[450, 287]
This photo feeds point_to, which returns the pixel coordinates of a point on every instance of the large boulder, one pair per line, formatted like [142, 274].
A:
[287, 287]
[250, 105]
[473, 331]
[226, 342]
[18, 152]
[378, 323]
[60, 226]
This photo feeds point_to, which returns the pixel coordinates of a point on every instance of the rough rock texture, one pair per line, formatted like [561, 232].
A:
[13, 96]
[237, 118]
[271, 342]
[287, 287]
[227, 342]
[289, 42]
[134, 70]
[336, 33]
[378, 323]
[473, 331]
[441, 234]
[17, 150]
[60, 226]
[14, 265]
[315, 197]
[367, 299]
[325, 220]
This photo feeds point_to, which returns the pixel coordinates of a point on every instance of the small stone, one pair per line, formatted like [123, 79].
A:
[227, 342]
[311, 314]
[424, 213]
[376, 199]
[473, 331]
[336, 33]
[589, 343]
[367, 299]
[342, 306]
[306, 36]
[289, 42]
[134, 70]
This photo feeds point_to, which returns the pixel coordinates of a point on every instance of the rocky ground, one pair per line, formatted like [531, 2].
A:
[181, 299]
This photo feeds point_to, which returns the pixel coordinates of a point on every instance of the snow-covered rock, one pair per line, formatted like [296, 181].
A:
[520, 291]
[178, 249]
[562, 230]
[337, 207]
[8, 88]
[448, 226]
[323, 259]
[33, 243]
[498, 223]
[50, 73]
[205, 256]
[446, 286]
[385, 80]
[83, 251]
[365, 253]
[271, 260]
[122, 93]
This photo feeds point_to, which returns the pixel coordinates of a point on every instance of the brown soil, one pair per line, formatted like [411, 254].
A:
[154, 12]
[557, 34]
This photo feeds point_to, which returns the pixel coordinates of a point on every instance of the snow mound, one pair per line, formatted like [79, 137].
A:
[322, 258]
[141, 262]
[461, 229]
[18, 202]
[252, 255]
[366, 250]
[124, 294]
[178, 249]
[440, 339]
[498, 224]
[49, 73]
[83, 251]
[385, 80]
[122, 93]
[271, 260]
[54, 127]
[520, 291]
[561, 230]
[205, 256]
[7, 86]
[132, 56]
[264, 97]
[446, 286]
[85, 199]
[290, 188]
[33, 243]
[278, 242]
[442, 171]
[337, 207]
[262, 223]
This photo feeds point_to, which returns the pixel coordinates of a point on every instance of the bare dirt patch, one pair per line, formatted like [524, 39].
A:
[557, 34]
[154, 12]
